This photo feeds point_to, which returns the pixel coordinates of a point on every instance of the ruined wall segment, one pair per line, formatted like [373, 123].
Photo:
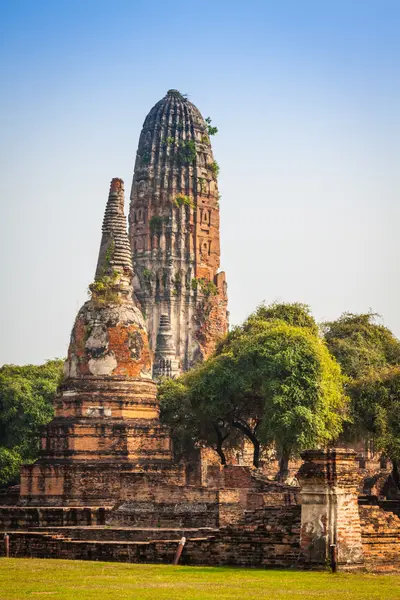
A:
[329, 508]
[174, 230]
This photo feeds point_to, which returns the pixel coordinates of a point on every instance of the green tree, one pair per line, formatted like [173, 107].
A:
[360, 344]
[190, 425]
[369, 355]
[292, 313]
[26, 393]
[274, 381]
[295, 313]
[376, 409]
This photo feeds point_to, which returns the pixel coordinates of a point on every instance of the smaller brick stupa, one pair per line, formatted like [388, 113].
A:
[165, 362]
[106, 412]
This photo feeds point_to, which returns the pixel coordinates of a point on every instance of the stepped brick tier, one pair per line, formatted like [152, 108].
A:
[174, 232]
[106, 413]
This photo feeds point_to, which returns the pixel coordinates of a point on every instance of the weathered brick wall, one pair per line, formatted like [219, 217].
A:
[380, 534]
[93, 483]
[17, 517]
[272, 542]
[9, 496]
[152, 505]
[125, 534]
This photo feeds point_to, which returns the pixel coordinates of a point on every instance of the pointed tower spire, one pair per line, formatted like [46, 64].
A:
[109, 337]
[114, 265]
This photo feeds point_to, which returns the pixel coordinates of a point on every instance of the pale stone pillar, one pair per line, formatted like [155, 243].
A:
[329, 508]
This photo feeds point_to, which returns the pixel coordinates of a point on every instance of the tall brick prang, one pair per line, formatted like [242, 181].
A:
[174, 230]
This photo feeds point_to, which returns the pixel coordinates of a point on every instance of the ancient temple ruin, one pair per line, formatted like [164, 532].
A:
[174, 232]
[106, 485]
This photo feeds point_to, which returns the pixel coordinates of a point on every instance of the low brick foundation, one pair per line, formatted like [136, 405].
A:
[273, 540]
[380, 532]
[25, 517]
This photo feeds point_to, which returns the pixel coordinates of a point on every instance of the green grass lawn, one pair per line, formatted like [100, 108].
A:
[76, 580]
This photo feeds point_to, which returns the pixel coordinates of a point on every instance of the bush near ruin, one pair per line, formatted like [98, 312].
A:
[369, 355]
[25, 405]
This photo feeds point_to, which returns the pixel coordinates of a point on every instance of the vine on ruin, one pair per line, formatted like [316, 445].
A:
[146, 158]
[208, 288]
[177, 94]
[177, 281]
[187, 152]
[182, 200]
[110, 252]
[105, 288]
[215, 168]
[156, 222]
[147, 273]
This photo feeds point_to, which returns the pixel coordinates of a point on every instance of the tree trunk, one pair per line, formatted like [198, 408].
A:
[256, 453]
[221, 453]
[283, 473]
[246, 430]
[396, 472]
[220, 440]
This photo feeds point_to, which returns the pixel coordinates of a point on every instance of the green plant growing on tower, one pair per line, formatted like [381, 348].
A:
[215, 168]
[147, 273]
[110, 252]
[194, 284]
[105, 289]
[146, 158]
[182, 200]
[177, 94]
[177, 281]
[211, 130]
[169, 141]
[208, 288]
[187, 152]
[155, 223]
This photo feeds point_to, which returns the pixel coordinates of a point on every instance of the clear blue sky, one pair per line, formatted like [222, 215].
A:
[306, 96]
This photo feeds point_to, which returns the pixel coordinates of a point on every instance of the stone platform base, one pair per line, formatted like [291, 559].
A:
[275, 545]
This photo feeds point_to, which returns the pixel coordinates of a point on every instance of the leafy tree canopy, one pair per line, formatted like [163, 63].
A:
[296, 314]
[360, 344]
[369, 355]
[26, 393]
[376, 409]
[273, 380]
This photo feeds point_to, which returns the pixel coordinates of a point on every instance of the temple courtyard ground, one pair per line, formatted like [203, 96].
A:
[77, 580]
